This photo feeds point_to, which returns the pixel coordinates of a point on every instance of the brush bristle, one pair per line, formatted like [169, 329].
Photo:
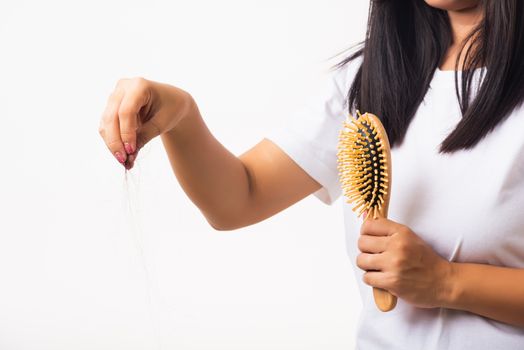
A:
[362, 165]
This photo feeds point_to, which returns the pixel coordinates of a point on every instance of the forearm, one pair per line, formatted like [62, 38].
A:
[491, 291]
[214, 179]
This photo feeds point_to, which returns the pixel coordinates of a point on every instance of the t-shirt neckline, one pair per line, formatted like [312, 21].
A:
[452, 71]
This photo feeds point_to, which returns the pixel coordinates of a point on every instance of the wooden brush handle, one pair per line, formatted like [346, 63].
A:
[384, 300]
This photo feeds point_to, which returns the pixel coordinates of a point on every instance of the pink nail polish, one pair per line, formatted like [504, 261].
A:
[129, 148]
[119, 157]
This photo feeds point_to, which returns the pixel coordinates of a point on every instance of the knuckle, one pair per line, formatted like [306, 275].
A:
[404, 230]
[140, 81]
[359, 260]
[106, 118]
[121, 82]
[394, 281]
[188, 96]
[400, 244]
[365, 226]
[398, 262]
[360, 243]
[114, 97]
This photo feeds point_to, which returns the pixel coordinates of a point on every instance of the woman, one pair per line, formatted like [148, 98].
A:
[447, 79]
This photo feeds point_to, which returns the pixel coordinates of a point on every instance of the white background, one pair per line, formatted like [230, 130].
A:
[92, 258]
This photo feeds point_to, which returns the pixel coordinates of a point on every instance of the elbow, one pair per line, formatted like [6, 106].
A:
[228, 220]
[222, 225]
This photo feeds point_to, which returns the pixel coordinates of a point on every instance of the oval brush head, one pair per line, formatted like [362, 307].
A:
[364, 164]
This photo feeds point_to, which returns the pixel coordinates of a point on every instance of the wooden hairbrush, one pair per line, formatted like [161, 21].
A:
[364, 164]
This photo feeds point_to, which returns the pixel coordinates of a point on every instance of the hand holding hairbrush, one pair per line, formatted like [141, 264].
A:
[364, 164]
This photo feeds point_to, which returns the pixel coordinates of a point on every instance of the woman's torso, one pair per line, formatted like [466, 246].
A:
[467, 205]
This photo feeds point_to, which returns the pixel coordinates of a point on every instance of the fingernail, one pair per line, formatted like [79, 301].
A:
[129, 147]
[120, 157]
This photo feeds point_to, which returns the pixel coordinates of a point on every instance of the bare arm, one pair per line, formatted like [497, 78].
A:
[231, 191]
[396, 259]
[491, 291]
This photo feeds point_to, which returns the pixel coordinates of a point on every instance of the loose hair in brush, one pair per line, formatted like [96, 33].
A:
[405, 42]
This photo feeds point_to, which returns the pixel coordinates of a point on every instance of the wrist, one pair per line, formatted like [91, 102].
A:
[450, 286]
[190, 128]
[170, 105]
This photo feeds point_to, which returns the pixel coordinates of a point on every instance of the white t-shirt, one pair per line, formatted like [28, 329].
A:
[467, 205]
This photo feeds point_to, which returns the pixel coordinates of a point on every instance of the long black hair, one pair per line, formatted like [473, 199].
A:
[406, 41]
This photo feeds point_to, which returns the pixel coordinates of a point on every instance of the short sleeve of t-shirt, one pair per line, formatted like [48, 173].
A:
[310, 134]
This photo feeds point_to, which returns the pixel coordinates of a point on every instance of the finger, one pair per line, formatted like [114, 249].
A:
[135, 98]
[369, 262]
[372, 244]
[111, 128]
[375, 279]
[130, 162]
[379, 227]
